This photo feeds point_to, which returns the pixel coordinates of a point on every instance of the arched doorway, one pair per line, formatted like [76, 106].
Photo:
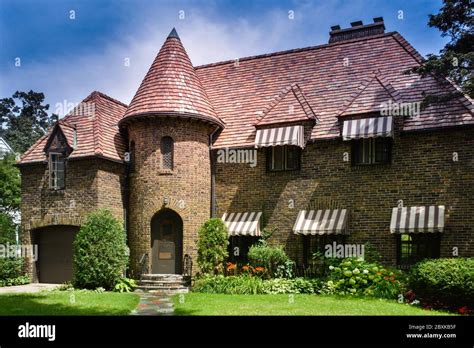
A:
[166, 242]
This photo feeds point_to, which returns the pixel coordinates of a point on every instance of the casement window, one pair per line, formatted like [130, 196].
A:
[56, 171]
[238, 248]
[166, 148]
[414, 247]
[371, 151]
[281, 158]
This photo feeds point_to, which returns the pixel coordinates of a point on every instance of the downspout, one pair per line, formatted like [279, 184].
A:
[213, 174]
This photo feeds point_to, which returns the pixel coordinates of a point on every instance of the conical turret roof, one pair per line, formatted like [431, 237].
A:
[172, 88]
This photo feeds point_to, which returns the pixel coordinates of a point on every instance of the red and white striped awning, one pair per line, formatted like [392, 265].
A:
[243, 224]
[329, 221]
[291, 135]
[367, 128]
[417, 219]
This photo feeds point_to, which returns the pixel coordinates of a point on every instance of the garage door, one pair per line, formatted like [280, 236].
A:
[55, 253]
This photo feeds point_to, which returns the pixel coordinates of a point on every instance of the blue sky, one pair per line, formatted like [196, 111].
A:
[68, 58]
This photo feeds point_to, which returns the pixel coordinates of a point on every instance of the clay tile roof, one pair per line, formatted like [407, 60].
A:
[370, 95]
[331, 76]
[95, 121]
[290, 105]
[171, 87]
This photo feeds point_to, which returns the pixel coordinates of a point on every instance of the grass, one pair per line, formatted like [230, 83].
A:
[68, 303]
[220, 304]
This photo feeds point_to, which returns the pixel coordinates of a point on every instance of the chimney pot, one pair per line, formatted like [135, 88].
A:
[335, 27]
[378, 20]
[356, 24]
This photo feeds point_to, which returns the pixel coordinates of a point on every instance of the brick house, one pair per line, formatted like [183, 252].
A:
[317, 145]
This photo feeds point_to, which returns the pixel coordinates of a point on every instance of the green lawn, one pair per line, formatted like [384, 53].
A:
[68, 303]
[219, 304]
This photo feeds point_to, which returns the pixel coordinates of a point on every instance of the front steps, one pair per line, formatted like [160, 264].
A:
[168, 284]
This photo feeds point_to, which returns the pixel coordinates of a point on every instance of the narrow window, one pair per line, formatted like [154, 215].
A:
[167, 153]
[56, 171]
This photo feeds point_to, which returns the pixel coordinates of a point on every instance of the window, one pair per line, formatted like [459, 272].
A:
[167, 153]
[285, 157]
[315, 244]
[239, 247]
[56, 171]
[412, 248]
[372, 151]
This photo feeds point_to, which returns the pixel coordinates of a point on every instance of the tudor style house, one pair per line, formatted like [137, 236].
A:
[343, 154]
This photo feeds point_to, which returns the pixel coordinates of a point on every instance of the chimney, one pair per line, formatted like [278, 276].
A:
[357, 30]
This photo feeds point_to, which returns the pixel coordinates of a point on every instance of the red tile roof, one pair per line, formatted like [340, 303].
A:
[95, 120]
[289, 106]
[326, 81]
[171, 87]
[330, 76]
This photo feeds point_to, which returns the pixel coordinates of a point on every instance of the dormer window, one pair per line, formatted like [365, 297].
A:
[166, 148]
[56, 171]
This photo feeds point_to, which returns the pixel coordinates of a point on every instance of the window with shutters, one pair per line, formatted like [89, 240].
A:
[167, 153]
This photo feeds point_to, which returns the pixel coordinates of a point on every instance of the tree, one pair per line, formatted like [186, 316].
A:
[456, 60]
[21, 125]
[10, 190]
[212, 246]
[100, 251]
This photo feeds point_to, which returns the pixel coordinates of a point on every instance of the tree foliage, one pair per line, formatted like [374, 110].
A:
[24, 119]
[10, 190]
[456, 60]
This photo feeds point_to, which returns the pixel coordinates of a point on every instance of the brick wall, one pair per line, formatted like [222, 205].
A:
[422, 173]
[90, 184]
[187, 186]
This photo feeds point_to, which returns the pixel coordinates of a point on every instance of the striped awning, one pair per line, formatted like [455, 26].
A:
[329, 221]
[417, 219]
[291, 135]
[367, 128]
[243, 224]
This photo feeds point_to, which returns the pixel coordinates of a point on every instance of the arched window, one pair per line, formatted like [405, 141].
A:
[166, 153]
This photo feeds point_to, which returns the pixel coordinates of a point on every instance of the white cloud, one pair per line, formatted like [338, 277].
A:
[206, 41]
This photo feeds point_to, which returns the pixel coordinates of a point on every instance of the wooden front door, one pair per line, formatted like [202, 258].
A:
[166, 243]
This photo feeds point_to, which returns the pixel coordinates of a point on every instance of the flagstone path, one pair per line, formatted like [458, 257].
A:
[153, 304]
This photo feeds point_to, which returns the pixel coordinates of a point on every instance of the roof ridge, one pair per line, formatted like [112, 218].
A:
[295, 50]
[105, 96]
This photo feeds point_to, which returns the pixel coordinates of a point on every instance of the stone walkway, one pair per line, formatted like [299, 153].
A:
[153, 304]
[27, 288]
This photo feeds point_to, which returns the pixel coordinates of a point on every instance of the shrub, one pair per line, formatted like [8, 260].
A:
[24, 279]
[357, 277]
[444, 283]
[233, 285]
[273, 259]
[125, 285]
[245, 284]
[100, 252]
[212, 246]
[7, 229]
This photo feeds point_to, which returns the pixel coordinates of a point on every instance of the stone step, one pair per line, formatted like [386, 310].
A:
[160, 287]
[164, 289]
[161, 282]
[162, 277]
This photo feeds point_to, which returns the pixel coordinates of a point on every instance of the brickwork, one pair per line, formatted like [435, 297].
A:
[187, 187]
[422, 172]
